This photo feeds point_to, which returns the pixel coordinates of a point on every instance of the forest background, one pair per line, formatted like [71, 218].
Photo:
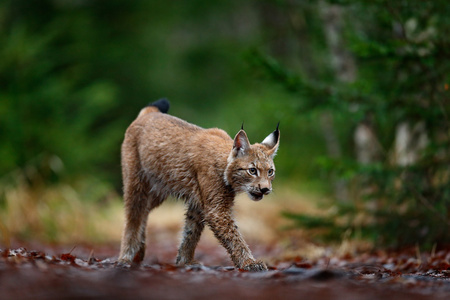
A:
[360, 88]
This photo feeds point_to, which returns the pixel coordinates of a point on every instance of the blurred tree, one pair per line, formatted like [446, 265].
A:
[59, 96]
[398, 104]
[74, 74]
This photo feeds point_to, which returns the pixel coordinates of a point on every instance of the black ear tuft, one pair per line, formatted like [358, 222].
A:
[242, 127]
[162, 104]
[277, 132]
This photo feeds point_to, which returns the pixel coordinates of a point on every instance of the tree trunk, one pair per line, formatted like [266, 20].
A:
[344, 69]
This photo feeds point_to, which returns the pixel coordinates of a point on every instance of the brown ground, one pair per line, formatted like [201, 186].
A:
[298, 270]
[88, 273]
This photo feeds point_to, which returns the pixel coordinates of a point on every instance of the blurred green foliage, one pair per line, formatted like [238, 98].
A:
[75, 73]
[401, 53]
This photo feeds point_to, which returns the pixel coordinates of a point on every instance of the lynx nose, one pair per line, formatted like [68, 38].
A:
[265, 190]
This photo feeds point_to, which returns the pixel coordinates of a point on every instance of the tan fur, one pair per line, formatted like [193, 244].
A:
[163, 155]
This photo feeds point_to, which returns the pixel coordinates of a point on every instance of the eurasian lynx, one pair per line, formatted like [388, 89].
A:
[163, 155]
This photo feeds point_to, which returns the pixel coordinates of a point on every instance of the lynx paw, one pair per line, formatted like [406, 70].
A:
[194, 263]
[255, 266]
[123, 264]
[191, 263]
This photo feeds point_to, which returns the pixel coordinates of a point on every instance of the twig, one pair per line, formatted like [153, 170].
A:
[73, 248]
[90, 257]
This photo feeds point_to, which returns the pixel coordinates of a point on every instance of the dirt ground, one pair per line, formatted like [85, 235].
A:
[298, 270]
[91, 273]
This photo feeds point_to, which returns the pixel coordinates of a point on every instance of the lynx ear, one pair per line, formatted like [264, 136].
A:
[241, 144]
[272, 141]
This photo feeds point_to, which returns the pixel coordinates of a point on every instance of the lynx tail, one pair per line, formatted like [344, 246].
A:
[161, 105]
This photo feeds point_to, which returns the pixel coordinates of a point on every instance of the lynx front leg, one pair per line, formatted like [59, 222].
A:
[225, 230]
[192, 231]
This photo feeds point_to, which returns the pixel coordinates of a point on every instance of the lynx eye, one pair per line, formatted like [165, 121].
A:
[252, 171]
[270, 172]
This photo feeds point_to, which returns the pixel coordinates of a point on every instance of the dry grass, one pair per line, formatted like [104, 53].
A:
[62, 214]
[57, 214]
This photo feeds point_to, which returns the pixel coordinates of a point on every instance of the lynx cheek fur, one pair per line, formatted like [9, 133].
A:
[163, 155]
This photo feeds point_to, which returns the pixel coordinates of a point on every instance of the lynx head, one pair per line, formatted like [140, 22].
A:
[250, 168]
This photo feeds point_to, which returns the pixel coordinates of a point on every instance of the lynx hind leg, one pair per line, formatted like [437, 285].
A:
[193, 228]
[138, 204]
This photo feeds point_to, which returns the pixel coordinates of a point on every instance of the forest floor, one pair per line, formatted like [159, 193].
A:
[297, 269]
[81, 273]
